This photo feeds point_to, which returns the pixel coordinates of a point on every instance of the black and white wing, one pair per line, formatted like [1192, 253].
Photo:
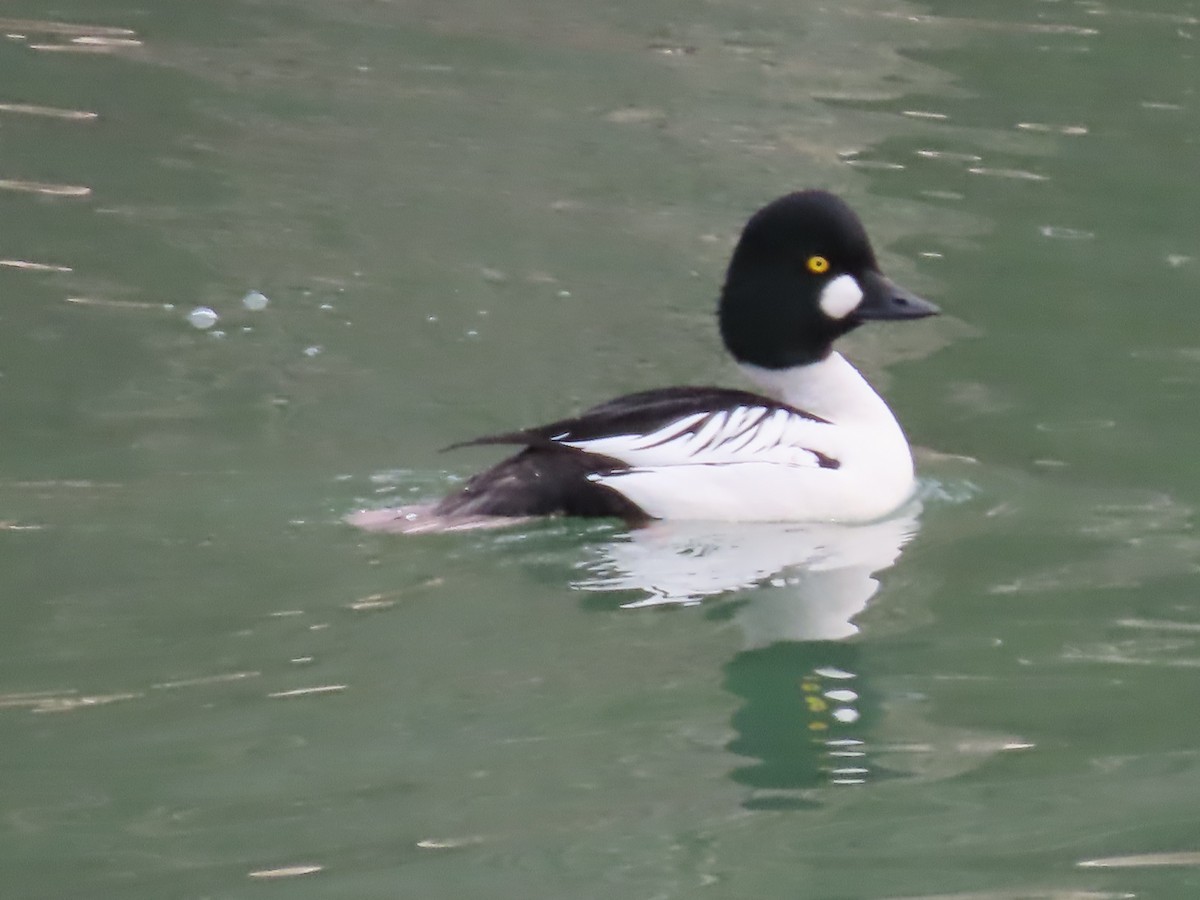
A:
[684, 426]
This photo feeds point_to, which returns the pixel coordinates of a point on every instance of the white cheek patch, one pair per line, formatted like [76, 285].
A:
[840, 297]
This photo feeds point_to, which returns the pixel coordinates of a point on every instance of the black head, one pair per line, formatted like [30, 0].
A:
[802, 275]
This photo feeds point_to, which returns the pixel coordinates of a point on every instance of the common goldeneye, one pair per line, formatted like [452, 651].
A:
[818, 444]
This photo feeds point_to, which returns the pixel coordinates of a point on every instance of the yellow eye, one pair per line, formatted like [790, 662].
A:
[818, 265]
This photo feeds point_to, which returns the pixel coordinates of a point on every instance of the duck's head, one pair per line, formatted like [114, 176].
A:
[802, 275]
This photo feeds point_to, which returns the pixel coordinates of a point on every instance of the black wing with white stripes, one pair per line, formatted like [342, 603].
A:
[667, 415]
[563, 465]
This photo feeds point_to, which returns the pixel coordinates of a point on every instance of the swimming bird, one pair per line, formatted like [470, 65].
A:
[814, 443]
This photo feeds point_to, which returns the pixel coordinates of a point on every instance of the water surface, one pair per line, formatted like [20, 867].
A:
[470, 216]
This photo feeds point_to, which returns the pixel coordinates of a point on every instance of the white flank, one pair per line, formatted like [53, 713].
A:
[750, 465]
[840, 297]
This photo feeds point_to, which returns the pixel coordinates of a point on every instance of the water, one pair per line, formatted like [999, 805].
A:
[485, 216]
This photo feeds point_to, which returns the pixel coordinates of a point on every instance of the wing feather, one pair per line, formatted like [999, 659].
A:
[686, 426]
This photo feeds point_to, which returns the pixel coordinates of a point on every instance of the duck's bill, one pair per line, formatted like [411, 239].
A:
[884, 299]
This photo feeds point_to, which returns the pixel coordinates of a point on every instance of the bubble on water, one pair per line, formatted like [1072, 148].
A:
[879, 164]
[949, 156]
[1017, 174]
[255, 301]
[1073, 130]
[314, 350]
[1076, 426]
[202, 317]
[285, 872]
[1066, 234]
[1051, 463]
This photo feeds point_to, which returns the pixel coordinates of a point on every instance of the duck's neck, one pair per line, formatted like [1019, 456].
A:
[830, 388]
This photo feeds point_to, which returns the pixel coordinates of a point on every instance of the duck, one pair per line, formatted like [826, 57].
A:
[814, 442]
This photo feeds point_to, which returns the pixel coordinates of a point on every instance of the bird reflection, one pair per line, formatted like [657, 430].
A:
[805, 719]
[806, 710]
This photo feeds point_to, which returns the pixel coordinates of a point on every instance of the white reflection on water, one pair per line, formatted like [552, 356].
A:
[822, 572]
[1184, 858]
[798, 724]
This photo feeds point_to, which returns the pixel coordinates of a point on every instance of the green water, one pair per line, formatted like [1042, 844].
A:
[473, 215]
